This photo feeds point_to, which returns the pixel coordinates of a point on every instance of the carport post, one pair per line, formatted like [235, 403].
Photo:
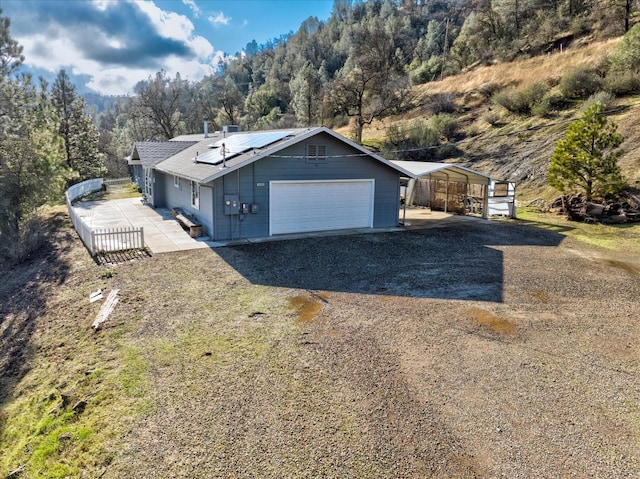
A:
[485, 200]
[446, 193]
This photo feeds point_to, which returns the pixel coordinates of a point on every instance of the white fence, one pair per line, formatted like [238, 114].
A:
[101, 240]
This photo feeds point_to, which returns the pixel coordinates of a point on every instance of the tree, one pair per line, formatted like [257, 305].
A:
[32, 169]
[63, 95]
[305, 94]
[586, 160]
[86, 159]
[372, 83]
[158, 101]
[626, 58]
[230, 100]
[32, 162]
[81, 137]
[11, 56]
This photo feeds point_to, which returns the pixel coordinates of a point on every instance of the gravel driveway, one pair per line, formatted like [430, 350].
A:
[490, 349]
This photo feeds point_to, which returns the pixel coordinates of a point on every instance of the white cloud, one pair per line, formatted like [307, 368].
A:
[195, 9]
[116, 55]
[168, 24]
[219, 19]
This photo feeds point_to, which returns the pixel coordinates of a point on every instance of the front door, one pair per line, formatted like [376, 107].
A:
[148, 184]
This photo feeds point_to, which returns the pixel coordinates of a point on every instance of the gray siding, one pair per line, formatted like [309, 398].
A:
[181, 198]
[252, 185]
[137, 175]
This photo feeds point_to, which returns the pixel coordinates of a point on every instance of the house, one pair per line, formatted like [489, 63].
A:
[257, 184]
[147, 154]
[237, 185]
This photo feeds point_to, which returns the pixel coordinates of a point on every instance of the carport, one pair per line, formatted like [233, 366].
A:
[447, 172]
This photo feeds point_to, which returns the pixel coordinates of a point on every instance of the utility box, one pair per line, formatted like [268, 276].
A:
[255, 209]
[231, 204]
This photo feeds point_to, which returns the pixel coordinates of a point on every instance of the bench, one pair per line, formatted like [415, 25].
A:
[188, 222]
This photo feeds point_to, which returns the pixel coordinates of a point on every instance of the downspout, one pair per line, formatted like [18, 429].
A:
[215, 215]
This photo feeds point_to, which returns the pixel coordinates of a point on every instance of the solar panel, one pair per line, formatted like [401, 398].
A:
[237, 144]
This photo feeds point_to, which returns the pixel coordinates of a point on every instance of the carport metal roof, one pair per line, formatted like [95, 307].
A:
[443, 171]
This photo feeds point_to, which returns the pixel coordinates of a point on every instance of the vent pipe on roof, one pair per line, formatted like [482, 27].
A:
[206, 129]
[224, 156]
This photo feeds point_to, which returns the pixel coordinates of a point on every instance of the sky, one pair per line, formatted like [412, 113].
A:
[107, 46]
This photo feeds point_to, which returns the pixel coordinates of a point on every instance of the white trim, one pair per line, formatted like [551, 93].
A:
[370, 199]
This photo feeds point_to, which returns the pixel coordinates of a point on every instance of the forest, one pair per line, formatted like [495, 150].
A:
[362, 64]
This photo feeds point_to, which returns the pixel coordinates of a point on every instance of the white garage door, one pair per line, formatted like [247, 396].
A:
[300, 206]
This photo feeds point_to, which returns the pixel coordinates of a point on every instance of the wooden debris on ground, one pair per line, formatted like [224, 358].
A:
[623, 209]
[106, 309]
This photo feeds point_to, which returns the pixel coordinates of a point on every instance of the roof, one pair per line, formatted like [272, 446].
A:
[150, 153]
[443, 171]
[186, 165]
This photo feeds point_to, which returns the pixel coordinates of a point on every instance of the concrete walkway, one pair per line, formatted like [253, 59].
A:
[163, 234]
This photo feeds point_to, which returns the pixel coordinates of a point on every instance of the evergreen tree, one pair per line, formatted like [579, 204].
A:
[81, 137]
[84, 138]
[11, 56]
[63, 94]
[586, 160]
[305, 95]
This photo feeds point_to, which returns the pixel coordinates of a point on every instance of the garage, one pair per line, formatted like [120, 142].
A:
[316, 205]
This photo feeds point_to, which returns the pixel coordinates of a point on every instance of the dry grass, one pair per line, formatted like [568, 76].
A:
[523, 72]
[417, 354]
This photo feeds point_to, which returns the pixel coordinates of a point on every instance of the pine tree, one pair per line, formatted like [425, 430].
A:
[586, 160]
[81, 137]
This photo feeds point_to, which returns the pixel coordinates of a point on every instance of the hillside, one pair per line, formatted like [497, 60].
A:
[517, 148]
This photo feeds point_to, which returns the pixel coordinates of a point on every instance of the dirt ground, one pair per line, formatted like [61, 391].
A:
[484, 349]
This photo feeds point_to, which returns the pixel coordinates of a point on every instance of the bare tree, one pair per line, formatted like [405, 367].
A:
[158, 100]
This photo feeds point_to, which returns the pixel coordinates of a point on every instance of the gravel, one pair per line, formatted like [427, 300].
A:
[476, 349]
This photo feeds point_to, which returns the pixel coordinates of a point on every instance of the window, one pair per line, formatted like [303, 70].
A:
[176, 181]
[316, 153]
[501, 189]
[195, 195]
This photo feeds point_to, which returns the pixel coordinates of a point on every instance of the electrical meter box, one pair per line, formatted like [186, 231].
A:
[231, 204]
[255, 209]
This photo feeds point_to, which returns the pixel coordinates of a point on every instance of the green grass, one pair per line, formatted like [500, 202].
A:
[42, 431]
[623, 238]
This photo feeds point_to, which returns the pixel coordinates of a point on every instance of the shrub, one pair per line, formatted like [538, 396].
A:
[473, 130]
[21, 245]
[602, 97]
[622, 83]
[489, 89]
[445, 125]
[441, 103]
[627, 55]
[426, 71]
[533, 95]
[492, 118]
[411, 141]
[580, 84]
[522, 102]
